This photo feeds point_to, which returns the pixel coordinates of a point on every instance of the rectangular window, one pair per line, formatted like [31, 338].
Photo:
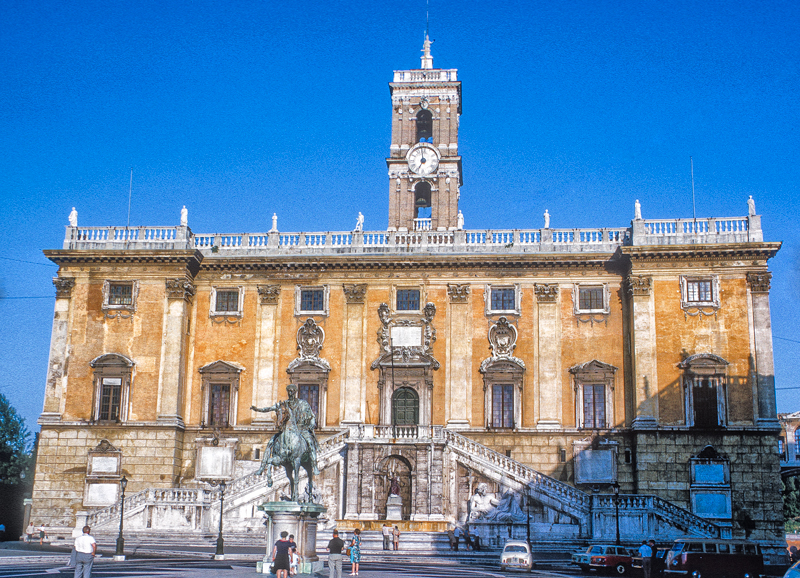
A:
[782, 449]
[120, 294]
[110, 398]
[503, 299]
[797, 444]
[309, 393]
[704, 397]
[590, 299]
[220, 405]
[594, 406]
[227, 301]
[699, 291]
[503, 405]
[408, 299]
[312, 300]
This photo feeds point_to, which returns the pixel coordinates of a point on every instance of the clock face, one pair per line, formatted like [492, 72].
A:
[423, 160]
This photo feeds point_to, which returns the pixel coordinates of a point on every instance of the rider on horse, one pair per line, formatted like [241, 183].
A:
[304, 418]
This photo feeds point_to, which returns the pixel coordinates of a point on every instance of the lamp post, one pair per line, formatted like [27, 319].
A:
[220, 553]
[616, 508]
[528, 512]
[120, 553]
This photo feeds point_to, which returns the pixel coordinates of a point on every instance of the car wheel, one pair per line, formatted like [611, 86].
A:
[620, 569]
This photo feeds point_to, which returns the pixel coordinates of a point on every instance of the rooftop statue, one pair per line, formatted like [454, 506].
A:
[294, 444]
[73, 218]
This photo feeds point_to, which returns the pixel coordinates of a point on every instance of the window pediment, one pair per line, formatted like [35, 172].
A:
[704, 364]
[111, 360]
[221, 367]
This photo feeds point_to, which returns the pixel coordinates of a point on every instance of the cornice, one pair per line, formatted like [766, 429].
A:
[660, 253]
[191, 259]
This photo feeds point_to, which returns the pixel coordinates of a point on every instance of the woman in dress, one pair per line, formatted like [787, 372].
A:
[280, 556]
[355, 551]
[396, 536]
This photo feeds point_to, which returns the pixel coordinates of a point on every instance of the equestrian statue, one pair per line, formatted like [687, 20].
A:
[294, 445]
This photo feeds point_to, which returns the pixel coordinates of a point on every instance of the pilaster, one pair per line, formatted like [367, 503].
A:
[549, 356]
[352, 391]
[759, 285]
[266, 362]
[459, 358]
[59, 352]
[643, 341]
[179, 294]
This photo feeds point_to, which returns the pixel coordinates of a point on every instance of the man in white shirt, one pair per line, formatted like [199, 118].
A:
[85, 548]
[387, 536]
[646, 552]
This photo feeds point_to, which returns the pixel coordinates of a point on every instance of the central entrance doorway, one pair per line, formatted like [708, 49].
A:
[405, 407]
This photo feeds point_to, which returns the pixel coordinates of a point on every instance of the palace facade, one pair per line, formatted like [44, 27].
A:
[554, 365]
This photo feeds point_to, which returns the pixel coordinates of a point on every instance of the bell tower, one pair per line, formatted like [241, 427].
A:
[424, 166]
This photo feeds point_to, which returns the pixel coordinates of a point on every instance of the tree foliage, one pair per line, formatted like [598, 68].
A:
[15, 457]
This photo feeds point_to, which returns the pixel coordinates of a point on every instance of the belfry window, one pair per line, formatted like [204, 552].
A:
[424, 126]
[705, 397]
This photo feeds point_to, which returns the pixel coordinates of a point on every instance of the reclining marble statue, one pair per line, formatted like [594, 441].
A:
[485, 506]
[294, 445]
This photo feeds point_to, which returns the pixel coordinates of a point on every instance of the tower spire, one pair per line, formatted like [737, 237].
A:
[427, 59]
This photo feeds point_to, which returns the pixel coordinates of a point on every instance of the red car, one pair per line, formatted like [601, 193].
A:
[614, 559]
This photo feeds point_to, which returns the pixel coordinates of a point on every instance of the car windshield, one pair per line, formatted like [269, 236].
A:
[596, 550]
[514, 548]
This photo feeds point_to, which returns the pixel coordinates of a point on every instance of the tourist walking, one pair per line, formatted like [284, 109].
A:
[645, 552]
[280, 556]
[387, 535]
[452, 537]
[29, 532]
[85, 550]
[42, 534]
[355, 551]
[457, 536]
[335, 557]
[396, 538]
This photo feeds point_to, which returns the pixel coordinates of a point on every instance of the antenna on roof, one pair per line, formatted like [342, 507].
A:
[130, 190]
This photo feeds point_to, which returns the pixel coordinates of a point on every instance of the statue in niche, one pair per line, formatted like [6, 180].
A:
[294, 445]
[485, 506]
[394, 488]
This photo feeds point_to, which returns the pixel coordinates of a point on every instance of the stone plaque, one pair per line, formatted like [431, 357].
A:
[214, 462]
[406, 336]
[105, 465]
[709, 474]
[711, 504]
[101, 493]
[595, 466]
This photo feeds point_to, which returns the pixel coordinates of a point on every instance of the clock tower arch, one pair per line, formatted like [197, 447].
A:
[424, 164]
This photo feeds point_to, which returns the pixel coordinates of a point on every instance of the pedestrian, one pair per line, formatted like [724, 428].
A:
[85, 550]
[467, 538]
[655, 567]
[452, 537]
[396, 538]
[292, 553]
[280, 555]
[335, 557]
[457, 535]
[29, 532]
[645, 552]
[387, 535]
[355, 551]
[42, 534]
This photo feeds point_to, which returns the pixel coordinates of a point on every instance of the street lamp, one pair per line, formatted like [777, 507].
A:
[120, 553]
[616, 508]
[220, 553]
[528, 511]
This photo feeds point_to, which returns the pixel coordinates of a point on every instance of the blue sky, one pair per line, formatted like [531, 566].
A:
[240, 109]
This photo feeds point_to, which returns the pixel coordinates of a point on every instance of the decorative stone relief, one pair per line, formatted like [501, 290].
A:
[458, 293]
[546, 292]
[355, 293]
[503, 341]
[180, 289]
[310, 338]
[639, 285]
[64, 287]
[268, 294]
[759, 282]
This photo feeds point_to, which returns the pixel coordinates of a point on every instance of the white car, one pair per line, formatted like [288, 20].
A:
[516, 556]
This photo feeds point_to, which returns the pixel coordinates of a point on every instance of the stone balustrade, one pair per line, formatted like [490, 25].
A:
[421, 240]
[439, 75]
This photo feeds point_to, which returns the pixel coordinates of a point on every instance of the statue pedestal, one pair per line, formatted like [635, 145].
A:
[295, 518]
[394, 508]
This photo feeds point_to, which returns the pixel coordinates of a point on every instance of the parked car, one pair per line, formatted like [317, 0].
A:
[582, 558]
[616, 559]
[793, 571]
[517, 556]
[658, 569]
[705, 557]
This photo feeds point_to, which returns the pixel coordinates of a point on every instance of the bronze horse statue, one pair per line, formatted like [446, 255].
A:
[289, 449]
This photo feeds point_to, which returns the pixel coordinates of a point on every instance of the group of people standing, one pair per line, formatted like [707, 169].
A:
[285, 559]
[455, 534]
[335, 547]
[648, 552]
[391, 536]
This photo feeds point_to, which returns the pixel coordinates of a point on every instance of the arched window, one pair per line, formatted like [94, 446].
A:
[422, 200]
[405, 407]
[112, 381]
[705, 398]
[424, 126]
